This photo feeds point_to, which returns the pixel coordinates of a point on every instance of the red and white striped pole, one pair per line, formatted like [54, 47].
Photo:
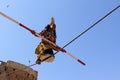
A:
[32, 31]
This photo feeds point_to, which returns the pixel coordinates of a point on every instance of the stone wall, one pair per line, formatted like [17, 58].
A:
[15, 71]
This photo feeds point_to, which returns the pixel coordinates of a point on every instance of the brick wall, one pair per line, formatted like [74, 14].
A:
[15, 71]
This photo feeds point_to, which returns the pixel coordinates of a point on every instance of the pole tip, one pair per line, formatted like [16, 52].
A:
[81, 62]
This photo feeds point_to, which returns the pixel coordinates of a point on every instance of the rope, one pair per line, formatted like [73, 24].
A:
[92, 26]
[87, 29]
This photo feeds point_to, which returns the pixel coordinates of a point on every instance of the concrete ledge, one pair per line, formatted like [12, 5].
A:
[11, 70]
[21, 67]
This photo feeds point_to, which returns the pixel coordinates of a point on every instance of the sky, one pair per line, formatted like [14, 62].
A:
[99, 48]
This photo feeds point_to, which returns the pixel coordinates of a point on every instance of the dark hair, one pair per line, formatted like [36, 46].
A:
[47, 28]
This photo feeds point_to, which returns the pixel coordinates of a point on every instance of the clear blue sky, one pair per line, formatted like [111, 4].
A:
[99, 48]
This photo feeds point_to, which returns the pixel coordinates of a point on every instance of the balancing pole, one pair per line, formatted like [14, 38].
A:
[32, 31]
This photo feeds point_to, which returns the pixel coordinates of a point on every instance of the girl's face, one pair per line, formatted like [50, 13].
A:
[52, 27]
